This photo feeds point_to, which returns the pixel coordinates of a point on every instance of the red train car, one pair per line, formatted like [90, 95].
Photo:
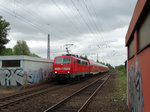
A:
[138, 63]
[71, 67]
[95, 68]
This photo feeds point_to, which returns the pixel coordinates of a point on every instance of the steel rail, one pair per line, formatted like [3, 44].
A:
[22, 93]
[23, 98]
[52, 108]
[85, 105]
[28, 94]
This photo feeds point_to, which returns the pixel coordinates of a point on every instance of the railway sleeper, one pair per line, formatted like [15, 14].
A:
[68, 110]
[77, 100]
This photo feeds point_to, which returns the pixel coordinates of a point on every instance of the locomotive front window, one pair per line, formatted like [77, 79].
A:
[66, 60]
[63, 60]
[59, 60]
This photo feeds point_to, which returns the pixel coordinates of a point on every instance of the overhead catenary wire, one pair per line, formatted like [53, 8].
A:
[37, 15]
[90, 15]
[21, 18]
[84, 20]
[73, 13]
[94, 24]
[24, 19]
[95, 14]
[39, 28]
[82, 16]
[97, 28]
[90, 20]
[66, 16]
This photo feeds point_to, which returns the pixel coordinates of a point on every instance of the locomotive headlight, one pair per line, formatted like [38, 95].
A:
[55, 72]
[68, 72]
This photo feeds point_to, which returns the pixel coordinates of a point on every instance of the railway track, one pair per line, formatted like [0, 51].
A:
[19, 97]
[79, 100]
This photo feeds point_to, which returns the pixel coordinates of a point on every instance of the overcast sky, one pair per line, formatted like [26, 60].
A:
[97, 28]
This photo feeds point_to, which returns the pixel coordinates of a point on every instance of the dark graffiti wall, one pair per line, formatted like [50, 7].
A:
[135, 92]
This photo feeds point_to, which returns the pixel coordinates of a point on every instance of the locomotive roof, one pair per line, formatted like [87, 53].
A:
[75, 56]
[72, 56]
[95, 63]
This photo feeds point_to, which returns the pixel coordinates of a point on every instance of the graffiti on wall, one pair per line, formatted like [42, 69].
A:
[17, 77]
[11, 76]
[38, 76]
[135, 92]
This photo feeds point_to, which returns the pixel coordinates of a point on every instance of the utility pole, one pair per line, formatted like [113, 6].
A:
[48, 47]
[97, 58]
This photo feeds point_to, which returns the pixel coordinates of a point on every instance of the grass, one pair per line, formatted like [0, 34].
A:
[120, 93]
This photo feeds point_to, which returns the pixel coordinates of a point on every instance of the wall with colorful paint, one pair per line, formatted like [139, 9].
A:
[24, 70]
[37, 71]
[135, 89]
[138, 65]
[139, 81]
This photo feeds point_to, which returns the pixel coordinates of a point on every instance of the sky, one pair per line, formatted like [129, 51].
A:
[96, 28]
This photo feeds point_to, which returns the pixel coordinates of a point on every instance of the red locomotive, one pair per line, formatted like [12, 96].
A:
[71, 67]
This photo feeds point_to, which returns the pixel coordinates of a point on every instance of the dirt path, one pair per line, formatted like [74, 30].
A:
[112, 97]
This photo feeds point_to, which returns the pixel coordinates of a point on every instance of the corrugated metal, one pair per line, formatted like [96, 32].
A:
[144, 33]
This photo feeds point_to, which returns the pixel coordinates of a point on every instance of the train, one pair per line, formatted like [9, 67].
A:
[73, 67]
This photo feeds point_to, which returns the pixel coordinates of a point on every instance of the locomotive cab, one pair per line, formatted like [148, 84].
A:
[63, 67]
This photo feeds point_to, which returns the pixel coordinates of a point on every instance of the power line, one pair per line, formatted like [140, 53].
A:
[91, 16]
[21, 18]
[65, 15]
[81, 16]
[84, 20]
[94, 30]
[95, 14]
[95, 25]
[72, 11]
[36, 15]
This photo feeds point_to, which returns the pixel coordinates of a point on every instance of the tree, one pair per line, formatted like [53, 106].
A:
[109, 66]
[121, 68]
[7, 51]
[4, 28]
[34, 55]
[21, 48]
[97, 61]
[85, 57]
[81, 56]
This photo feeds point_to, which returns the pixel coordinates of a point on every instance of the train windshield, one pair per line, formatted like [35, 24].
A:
[63, 60]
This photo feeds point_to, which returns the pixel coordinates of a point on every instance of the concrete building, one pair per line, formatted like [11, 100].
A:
[138, 64]
[24, 70]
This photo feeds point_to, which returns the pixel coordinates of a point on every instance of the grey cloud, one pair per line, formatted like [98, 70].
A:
[38, 18]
